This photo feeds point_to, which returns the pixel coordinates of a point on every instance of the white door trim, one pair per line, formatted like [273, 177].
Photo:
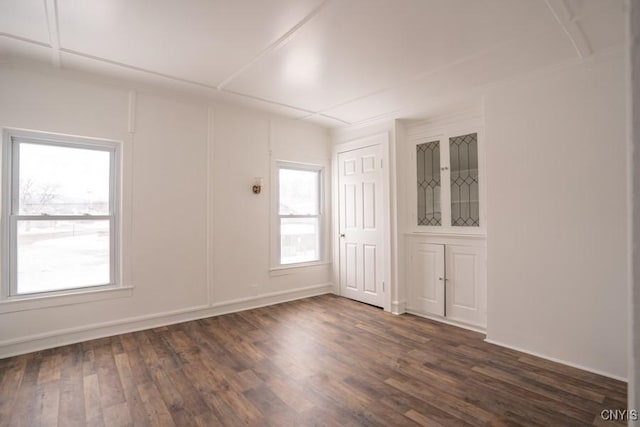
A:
[376, 139]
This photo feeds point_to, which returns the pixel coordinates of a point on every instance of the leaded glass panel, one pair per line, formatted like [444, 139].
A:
[428, 163]
[465, 208]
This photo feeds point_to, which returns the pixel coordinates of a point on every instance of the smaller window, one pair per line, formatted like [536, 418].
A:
[299, 213]
[61, 210]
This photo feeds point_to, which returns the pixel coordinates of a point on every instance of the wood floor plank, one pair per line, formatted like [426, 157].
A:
[111, 392]
[118, 415]
[13, 371]
[318, 361]
[24, 409]
[421, 419]
[48, 404]
[92, 403]
[50, 368]
[155, 408]
[129, 382]
[71, 407]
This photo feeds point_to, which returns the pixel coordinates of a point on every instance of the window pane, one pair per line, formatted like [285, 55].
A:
[55, 255]
[299, 240]
[428, 168]
[465, 209]
[299, 192]
[63, 181]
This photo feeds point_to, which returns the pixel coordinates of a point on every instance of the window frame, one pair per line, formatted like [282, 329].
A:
[11, 216]
[319, 169]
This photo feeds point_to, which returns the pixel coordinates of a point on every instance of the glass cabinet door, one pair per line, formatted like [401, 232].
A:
[429, 182]
[464, 192]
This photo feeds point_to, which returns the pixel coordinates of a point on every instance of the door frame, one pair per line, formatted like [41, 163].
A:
[355, 144]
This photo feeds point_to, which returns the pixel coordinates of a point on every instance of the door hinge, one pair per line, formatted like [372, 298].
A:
[383, 287]
[381, 160]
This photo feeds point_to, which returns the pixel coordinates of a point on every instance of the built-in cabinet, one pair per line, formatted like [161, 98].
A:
[445, 246]
[446, 177]
[446, 278]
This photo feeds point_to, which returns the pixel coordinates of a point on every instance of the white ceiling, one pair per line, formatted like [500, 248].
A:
[335, 62]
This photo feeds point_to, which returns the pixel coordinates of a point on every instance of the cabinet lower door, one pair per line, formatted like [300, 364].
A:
[426, 279]
[466, 284]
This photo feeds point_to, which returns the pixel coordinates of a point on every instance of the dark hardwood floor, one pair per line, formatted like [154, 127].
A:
[320, 361]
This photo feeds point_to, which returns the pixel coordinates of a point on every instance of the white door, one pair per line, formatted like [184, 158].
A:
[361, 225]
[425, 279]
[466, 287]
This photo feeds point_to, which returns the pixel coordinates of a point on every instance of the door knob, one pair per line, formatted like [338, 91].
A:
[342, 235]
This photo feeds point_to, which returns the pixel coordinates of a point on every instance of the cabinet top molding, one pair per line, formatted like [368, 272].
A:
[468, 119]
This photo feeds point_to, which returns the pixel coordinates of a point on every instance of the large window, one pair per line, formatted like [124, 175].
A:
[60, 211]
[299, 213]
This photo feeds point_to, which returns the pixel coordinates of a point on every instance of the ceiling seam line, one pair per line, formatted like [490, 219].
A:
[281, 41]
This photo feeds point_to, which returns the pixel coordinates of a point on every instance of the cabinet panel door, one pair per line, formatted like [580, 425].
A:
[426, 279]
[465, 286]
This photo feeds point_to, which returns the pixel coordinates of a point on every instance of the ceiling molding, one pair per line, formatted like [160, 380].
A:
[134, 68]
[426, 74]
[51, 11]
[400, 89]
[571, 28]
[313, 116]
[212, 89]
[24, 39]
[390, 115]
[281, 41]
[185, 81]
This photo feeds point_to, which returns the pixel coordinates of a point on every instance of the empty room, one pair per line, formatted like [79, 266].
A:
[319, 212]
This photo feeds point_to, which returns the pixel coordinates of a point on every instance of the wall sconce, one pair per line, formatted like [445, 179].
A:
[257, 185]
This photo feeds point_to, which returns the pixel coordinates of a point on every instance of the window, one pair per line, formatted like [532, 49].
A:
[60, 210]
[300, 219]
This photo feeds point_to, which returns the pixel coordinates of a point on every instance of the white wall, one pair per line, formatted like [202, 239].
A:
[557, 215]
[195, 238]
[247, 145]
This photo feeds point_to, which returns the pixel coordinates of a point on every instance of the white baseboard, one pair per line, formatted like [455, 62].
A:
[37, 342]
[553, 359]
[473, 328]
[398, 307]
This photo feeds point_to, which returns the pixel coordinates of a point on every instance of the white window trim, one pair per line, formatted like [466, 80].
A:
[276, 267]
[9, 299]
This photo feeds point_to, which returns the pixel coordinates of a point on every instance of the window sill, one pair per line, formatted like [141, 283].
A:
[290, 269]
[35, 302]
